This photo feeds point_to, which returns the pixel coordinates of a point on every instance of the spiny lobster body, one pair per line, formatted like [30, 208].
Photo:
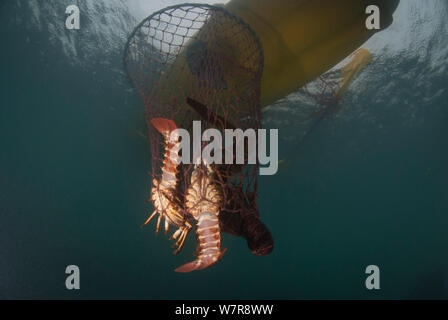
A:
[204, 201]
[163, 192]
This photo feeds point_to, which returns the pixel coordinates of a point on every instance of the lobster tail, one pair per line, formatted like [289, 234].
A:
[171, 157]
[209, 247]
[164, 126]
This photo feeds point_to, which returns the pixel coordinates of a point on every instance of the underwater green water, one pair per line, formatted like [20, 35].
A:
[74, 180]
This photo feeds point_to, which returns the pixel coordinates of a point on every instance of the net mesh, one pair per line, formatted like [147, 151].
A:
[199, 62]
[323, 96]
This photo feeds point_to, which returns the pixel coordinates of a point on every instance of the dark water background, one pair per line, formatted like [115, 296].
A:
[74, 177]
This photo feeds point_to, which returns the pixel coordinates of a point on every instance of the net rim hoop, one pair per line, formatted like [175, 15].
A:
[193, 4]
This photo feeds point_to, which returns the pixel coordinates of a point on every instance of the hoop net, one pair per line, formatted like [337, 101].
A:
[206, 54]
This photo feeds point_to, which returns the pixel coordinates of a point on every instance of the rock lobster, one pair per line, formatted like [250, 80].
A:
[203, 204]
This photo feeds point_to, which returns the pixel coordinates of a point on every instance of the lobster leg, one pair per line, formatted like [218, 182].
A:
[180, 235]
[149, 219]
[158, 223]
